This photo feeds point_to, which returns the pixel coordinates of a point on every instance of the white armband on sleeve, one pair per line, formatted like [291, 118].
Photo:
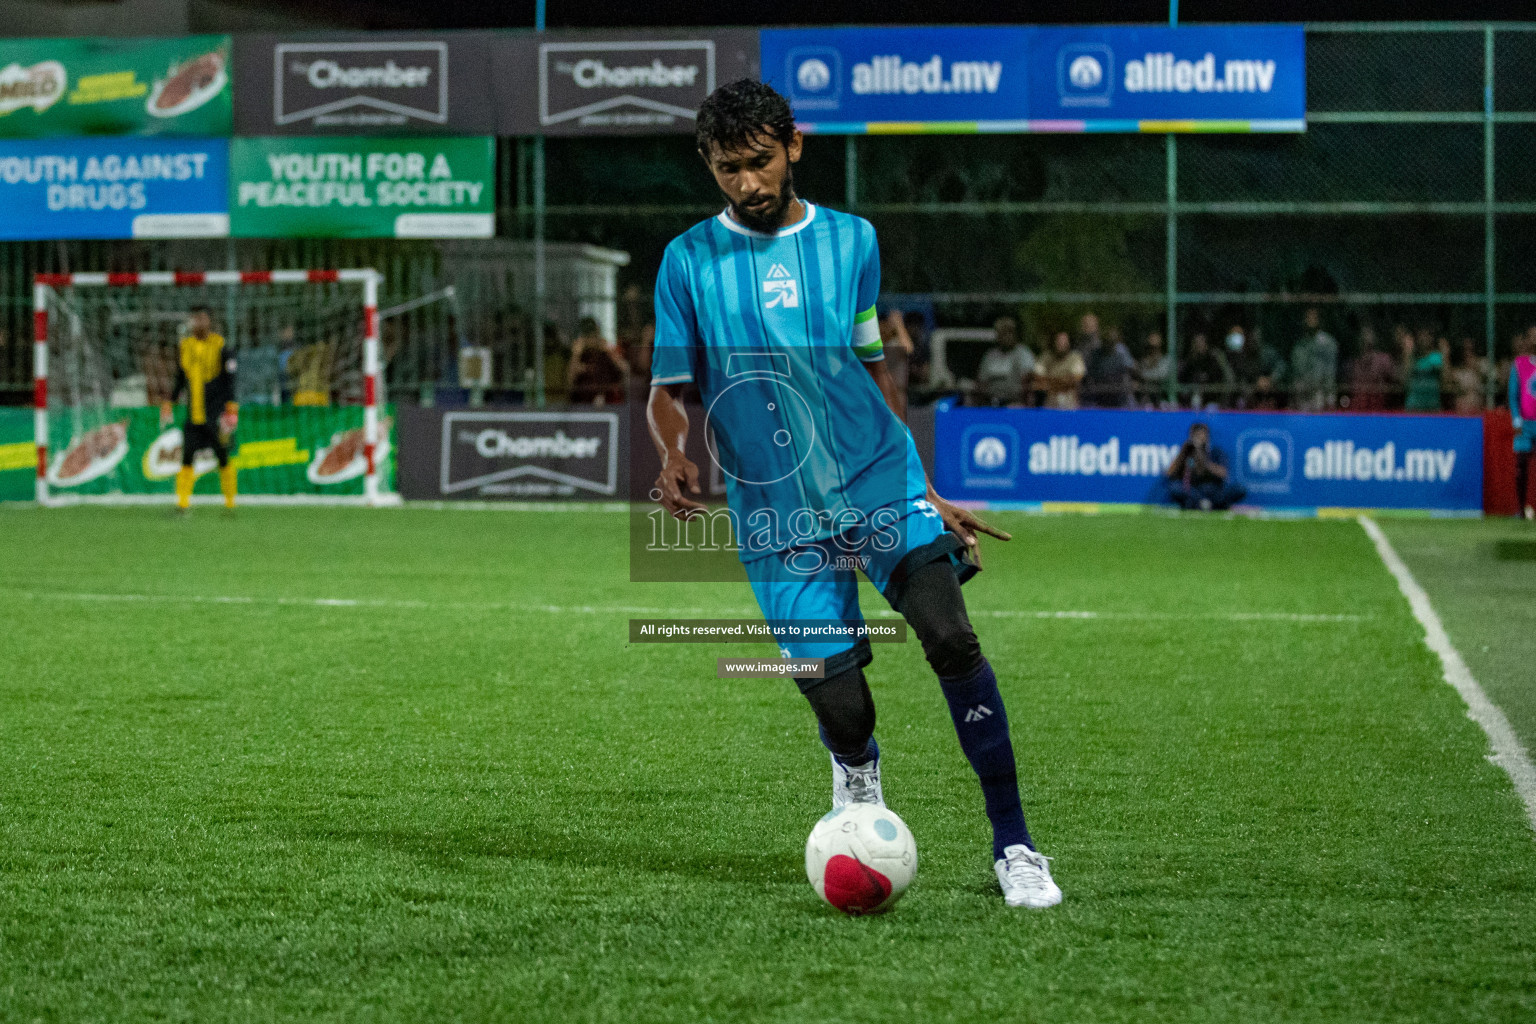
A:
[866, 336]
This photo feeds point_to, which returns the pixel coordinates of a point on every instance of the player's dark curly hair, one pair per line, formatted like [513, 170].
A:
[741, 113]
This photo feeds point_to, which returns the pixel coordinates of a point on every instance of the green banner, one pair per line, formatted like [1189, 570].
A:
[279, 450]
[362, 188]
[18, 455]
[114, 87]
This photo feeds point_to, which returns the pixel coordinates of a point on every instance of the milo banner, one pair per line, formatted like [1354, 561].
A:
[114, 86]
[18, 455]
[279, 450]
[362, 187]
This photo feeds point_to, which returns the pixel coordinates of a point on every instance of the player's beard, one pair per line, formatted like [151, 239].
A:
[770, 218]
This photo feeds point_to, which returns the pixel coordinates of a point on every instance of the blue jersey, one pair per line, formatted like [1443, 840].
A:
[773, 328]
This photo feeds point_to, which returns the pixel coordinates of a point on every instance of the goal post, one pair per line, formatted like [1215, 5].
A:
[104, 356]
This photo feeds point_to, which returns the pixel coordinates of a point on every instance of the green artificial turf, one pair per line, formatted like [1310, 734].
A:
[1481, 576]
[465, 797]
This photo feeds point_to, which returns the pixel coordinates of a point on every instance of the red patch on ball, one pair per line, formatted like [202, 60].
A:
[852, 887]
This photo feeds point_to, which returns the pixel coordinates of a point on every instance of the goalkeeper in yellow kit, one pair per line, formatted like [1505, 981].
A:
[206, 373]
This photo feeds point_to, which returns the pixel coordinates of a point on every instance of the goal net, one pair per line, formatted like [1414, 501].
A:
[314, 425]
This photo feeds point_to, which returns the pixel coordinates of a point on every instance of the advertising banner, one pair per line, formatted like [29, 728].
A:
[1023, 79]
[18, 455]
[1207, 78]
[292, 187]
[363, 84]
[279, 450]
[54, 87]
[1289, 461]
[114, 188]
[856, 80]
[511, 454]
[614, 83]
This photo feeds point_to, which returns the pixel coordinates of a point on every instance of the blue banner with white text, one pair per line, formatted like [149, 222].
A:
[1284, 461]
[1252, 77]
[1227, 78]
[114, 187]
[852, 80]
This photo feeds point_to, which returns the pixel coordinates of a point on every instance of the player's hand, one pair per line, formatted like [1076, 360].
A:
[165, 415]
[677, 473]
[965, 524]
[228, 421]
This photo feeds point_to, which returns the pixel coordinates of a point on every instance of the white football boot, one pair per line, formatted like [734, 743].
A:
[1026, 878]
[859, 785]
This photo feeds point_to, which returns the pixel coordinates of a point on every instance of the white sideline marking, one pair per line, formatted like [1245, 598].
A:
[1508, 753]
[624, 609]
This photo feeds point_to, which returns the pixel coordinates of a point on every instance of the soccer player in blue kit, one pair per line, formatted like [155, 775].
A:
[769, 309]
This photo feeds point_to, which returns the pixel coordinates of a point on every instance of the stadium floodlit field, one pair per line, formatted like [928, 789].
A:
[402, 765]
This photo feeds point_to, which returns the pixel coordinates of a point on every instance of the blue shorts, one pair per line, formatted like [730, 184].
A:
[817, 582]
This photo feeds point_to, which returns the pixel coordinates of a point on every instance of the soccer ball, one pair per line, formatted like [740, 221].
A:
[860, 858]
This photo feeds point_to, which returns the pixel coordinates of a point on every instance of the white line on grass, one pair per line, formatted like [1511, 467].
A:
[673, 612]
[1507, 750]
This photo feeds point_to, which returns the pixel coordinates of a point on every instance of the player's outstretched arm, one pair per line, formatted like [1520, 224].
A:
[668, 422]
[963, 523]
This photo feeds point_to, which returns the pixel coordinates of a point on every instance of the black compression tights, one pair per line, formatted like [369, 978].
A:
[932, 605]
[1522, 479]
[846, 712]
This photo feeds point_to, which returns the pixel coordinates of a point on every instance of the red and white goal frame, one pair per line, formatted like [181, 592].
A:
[368, 278]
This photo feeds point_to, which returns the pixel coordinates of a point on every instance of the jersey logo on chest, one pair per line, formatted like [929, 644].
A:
[781, 289]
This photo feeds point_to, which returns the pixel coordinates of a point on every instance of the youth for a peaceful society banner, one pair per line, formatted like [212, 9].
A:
[114, 86]
[1284, 460]
[114, 188]
[279, 450]
[363, 187]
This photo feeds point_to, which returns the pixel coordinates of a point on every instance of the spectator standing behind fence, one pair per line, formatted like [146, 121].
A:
[309, 370]
[1314, 366]
[597, 368]
[1107, 366]
[637, 338]
[1372, 376]
[1205, 374]
[1197, 477]
[1003, 377]
[897, 346]
[1468, 378]
[1153, 370]
[1522, 411]
[1424, 369]
[1113, 371]
[1059, 372]
[917, 332]
[1257, 369]
[261, 375]
[557, 365]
